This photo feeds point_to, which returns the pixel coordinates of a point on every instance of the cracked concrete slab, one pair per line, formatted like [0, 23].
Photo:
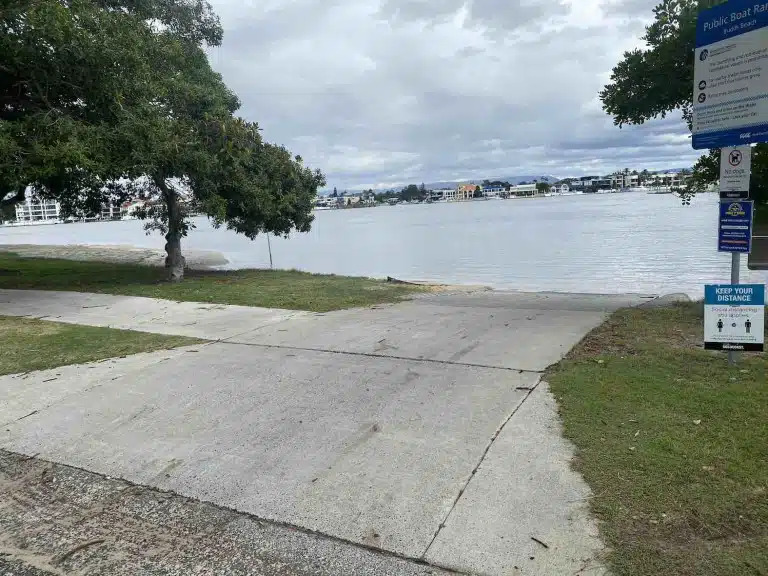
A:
[501, 329]
[365, 425]
[47, 511]
[23, 394]
[524, 489]
[366, 449]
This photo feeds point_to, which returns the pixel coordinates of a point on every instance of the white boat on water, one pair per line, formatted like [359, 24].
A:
[661, 190]
[48, 222]
[643, 189]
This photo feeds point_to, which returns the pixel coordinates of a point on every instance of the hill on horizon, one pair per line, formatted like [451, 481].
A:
[511, 179]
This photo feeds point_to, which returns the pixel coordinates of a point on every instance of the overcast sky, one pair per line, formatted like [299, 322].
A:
[380, 93]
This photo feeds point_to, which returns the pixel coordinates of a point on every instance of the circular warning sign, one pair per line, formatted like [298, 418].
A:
[734, 158]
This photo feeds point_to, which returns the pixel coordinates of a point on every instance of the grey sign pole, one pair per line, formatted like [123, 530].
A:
[735, 277]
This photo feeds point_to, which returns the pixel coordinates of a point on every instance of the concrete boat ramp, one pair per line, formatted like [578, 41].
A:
[421, 429]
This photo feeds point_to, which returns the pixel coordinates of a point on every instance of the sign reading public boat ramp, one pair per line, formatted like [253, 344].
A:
[730, 89]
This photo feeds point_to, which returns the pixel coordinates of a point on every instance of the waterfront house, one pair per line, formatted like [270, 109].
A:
[466, 191]
[110, 211]
[440, 194]
[36, 209]
[128, 209]
[461, 193]
[524, 190]
[493, 191]
[669, 180]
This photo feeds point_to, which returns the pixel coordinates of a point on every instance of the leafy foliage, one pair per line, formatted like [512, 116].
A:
[254, 186]
[412, 192]
[655, 81]
[113, 100]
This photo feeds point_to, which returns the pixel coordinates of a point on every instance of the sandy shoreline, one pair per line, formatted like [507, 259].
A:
[125, 254]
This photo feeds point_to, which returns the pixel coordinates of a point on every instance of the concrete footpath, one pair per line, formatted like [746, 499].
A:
[421, 429]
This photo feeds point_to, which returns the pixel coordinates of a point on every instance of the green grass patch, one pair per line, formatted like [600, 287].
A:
[673, 442]
[29, 344]
[268, 288]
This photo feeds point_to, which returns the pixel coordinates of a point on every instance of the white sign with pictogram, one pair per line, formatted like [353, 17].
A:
[734, 317]
[735, 163]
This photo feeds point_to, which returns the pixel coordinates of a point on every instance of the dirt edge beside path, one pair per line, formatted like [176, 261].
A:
[57, 520]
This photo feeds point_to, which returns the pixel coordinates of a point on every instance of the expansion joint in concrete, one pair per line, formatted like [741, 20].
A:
[477, 467]
[389, 356]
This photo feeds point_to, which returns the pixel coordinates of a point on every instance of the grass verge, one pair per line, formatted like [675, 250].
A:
[673, 442]
[29, 344]
[269, 288]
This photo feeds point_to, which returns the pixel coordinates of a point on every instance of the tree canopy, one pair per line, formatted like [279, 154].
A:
[412, 192]
[110, 100]
[655, 81]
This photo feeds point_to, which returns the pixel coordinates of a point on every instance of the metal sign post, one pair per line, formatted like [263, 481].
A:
[735, 236]
[735, 172]
[730, 111]
[735, 279]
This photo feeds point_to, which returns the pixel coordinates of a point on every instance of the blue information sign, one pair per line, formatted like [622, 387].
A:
[734, 295]
[734, 317]
[730, 89]
[735, 230]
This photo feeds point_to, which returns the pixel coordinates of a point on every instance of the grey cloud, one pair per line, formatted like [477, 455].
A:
[508, 15]
[424, 10]
[418, 97]
[630, 8]
[469, 51]
[499, 16]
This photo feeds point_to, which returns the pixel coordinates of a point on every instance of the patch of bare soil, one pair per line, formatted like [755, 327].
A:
[57, 520]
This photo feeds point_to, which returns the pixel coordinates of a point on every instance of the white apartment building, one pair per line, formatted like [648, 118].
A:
[110, 212]
[493, 191]
[461, 193]
[35, 209]
[668, 179]
[440, 194]
[524, 190]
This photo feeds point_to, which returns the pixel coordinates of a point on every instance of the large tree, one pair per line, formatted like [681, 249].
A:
[410, 192]
[654, 81]
[71, 71]
[109, 100]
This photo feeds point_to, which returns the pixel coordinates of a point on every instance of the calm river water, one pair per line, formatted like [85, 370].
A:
[615, 243]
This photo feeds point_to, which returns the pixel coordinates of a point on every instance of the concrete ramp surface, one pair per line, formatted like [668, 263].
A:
[421, 428]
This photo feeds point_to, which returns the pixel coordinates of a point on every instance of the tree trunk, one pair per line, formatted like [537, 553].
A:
[174, 261]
